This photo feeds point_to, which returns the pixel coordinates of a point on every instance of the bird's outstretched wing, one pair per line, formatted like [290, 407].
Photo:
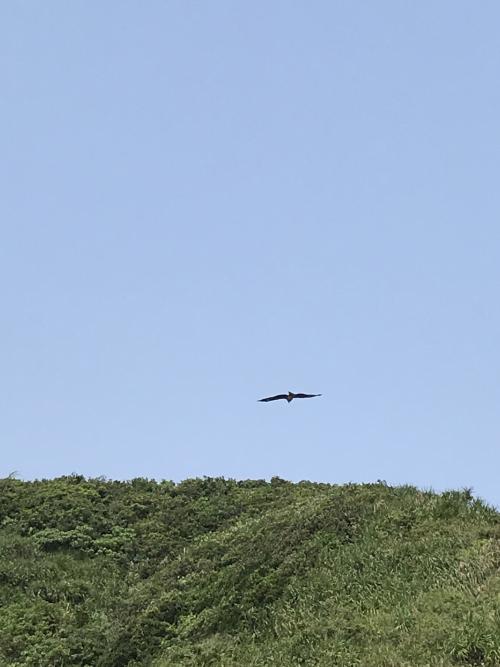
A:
[306, 395]
[273, 398]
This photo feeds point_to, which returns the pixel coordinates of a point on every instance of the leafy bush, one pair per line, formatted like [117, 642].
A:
[219, 572]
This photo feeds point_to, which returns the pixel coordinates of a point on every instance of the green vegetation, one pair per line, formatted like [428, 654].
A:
[245, 574]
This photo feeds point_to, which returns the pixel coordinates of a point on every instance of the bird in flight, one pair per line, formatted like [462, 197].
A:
[287, 397]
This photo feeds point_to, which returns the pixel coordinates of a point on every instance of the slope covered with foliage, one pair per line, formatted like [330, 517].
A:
[219, 572]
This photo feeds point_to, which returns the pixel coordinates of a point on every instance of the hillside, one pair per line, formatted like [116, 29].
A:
[225, 573]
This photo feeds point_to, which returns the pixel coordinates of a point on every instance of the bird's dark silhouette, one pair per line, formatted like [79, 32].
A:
[287, 397]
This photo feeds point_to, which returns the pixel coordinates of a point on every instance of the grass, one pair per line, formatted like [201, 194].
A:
[226, 573]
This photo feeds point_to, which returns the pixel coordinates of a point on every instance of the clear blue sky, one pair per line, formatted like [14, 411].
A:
[206, 202]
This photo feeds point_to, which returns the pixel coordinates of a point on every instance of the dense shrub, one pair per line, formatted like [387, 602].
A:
[218, 572]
